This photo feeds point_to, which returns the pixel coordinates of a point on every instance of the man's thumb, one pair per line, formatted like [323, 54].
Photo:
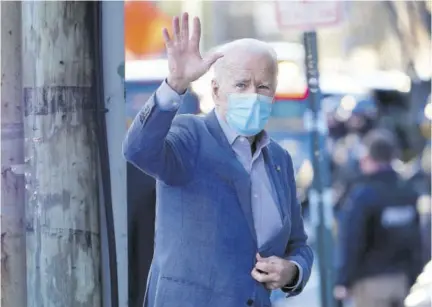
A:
[210, 59]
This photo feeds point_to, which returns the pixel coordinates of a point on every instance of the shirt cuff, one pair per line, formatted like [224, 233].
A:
[299, 279]
[168, 99]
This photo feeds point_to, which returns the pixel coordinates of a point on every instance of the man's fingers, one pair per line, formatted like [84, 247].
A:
[176, 28]
[196, 33]
[274, 259]
[272, 285]
[265, 267]
[266, 259]
[210, 59]
[166, 37]
[258, 276]
[262, 277]
[185, 29]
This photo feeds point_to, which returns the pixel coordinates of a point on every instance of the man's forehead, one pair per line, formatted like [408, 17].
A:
[247, 74]
[247, 69]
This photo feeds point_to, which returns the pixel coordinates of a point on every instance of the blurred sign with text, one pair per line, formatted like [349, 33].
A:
[307, 15]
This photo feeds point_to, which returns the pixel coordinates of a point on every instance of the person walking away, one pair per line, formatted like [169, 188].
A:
[380, 240]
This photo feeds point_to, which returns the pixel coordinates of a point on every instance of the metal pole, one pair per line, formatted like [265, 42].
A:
[62, 207]
[320, 194]
[113, 52]
[13, 269]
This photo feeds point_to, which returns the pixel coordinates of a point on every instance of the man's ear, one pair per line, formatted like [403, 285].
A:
[215, 89]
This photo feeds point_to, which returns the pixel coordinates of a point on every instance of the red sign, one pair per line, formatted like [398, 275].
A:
[307, 15]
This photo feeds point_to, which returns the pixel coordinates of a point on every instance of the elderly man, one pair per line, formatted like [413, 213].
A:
[228, 226]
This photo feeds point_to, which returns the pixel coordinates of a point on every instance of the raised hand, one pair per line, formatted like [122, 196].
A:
[184, 59]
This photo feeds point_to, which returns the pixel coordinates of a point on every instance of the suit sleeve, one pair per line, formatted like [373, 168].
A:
[160, 143]
[297, 250]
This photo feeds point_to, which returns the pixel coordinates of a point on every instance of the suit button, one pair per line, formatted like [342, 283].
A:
[250, 302]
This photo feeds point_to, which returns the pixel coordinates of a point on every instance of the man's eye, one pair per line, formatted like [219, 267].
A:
[240, 85]
[264, 87]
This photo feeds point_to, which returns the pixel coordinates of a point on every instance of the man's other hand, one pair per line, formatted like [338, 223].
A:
[274, 272]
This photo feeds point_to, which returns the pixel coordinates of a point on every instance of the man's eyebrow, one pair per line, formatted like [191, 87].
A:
[245, 80]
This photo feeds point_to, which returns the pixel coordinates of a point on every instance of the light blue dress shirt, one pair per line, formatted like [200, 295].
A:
[267, 219]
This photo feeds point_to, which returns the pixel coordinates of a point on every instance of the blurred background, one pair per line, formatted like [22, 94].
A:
[375, 71]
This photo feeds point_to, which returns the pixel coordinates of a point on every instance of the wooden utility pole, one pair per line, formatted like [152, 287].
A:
[13, 269]
[62, 222]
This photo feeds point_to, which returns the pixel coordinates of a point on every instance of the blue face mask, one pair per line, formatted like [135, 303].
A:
[247, 114]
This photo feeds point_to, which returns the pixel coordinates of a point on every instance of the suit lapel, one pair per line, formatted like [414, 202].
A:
[275, 171]
[276, 245]
[232, 170]
[243, 188]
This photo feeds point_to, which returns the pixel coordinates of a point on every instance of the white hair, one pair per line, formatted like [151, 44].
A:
[249, 45]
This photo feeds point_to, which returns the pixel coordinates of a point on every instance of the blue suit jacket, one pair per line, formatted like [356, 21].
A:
[205, 241]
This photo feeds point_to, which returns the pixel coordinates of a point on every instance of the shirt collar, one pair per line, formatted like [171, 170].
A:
[262, 138]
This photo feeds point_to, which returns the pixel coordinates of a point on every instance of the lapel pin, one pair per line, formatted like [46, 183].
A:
[278, 168]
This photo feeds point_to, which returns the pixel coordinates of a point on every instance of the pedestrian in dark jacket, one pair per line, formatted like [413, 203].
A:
[380, 252]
